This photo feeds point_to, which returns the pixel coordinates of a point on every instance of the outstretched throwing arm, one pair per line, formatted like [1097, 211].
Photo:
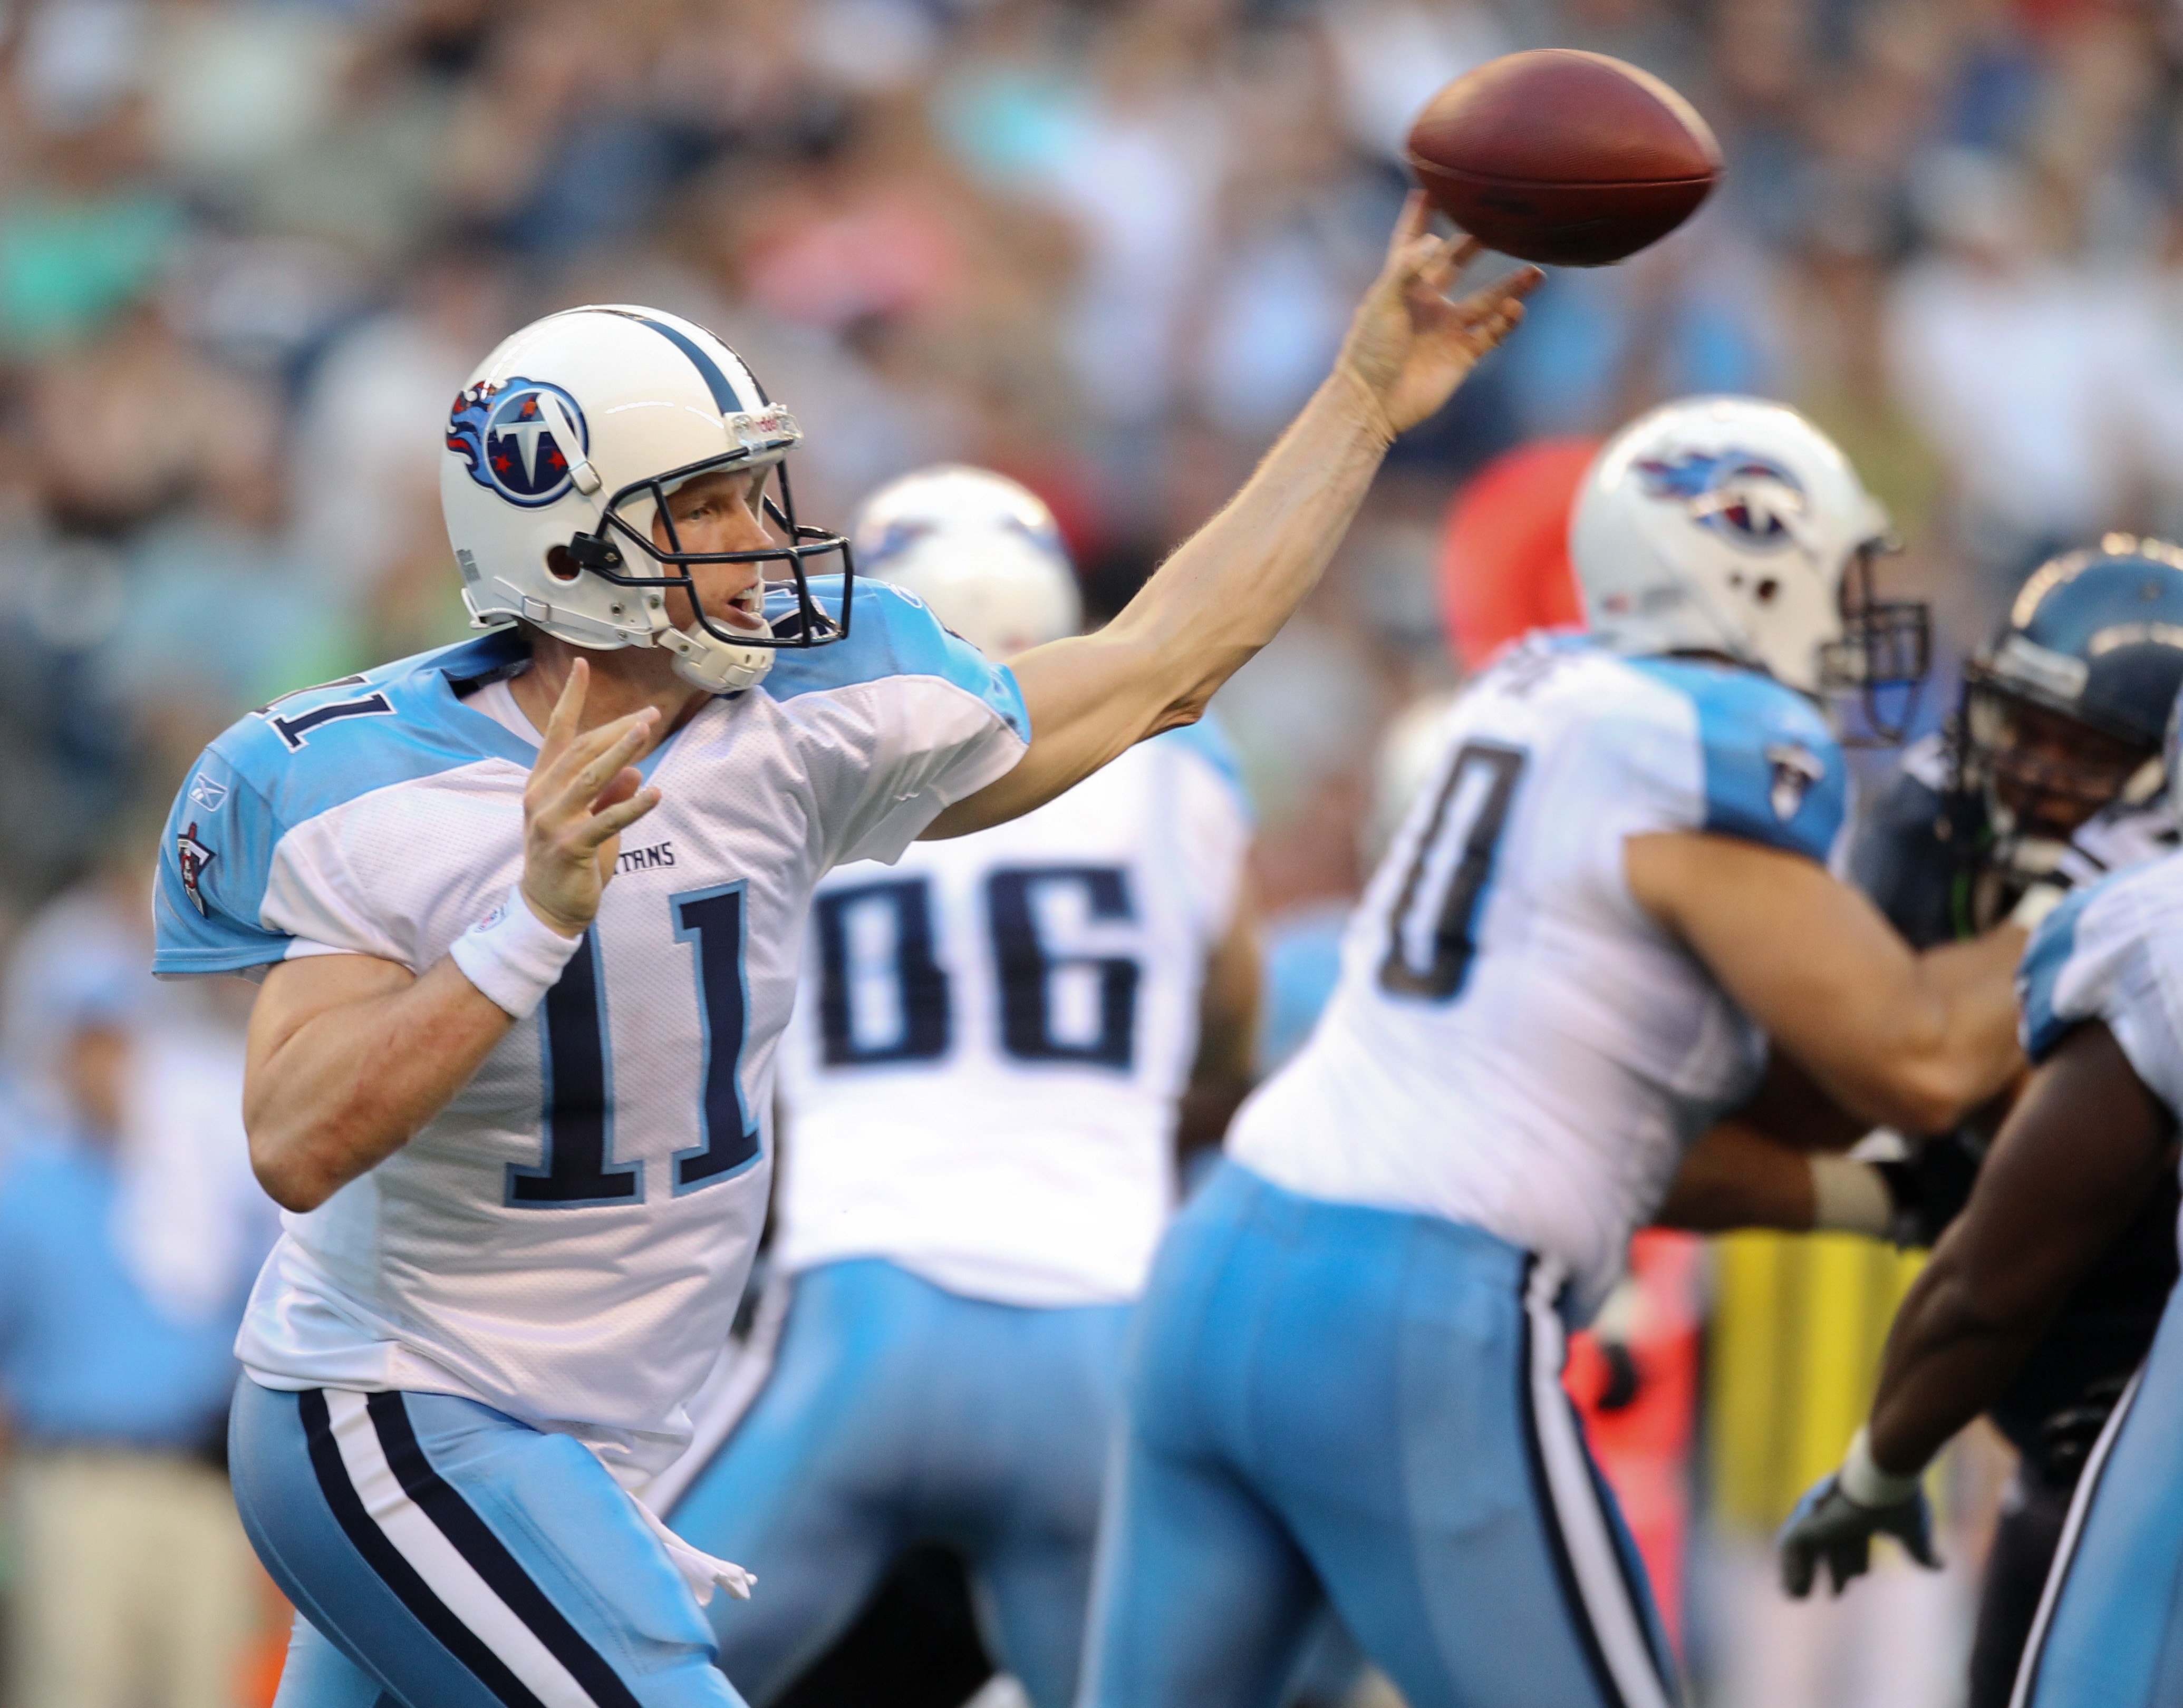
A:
[1230, 588]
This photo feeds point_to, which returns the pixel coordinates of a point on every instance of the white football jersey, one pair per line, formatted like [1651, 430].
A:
[2113, 952]
[566, 1240]
[981, 1076]
[1514, 1043]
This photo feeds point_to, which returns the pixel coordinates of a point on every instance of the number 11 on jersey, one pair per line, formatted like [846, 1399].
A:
[578, 1169]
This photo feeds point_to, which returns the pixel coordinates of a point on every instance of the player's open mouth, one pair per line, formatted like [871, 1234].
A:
[746, 612]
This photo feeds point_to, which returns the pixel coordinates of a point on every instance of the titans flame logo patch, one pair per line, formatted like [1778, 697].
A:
[518, 439]
[1755, 501]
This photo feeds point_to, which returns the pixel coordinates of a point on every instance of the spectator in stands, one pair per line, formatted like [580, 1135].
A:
[130, 1228]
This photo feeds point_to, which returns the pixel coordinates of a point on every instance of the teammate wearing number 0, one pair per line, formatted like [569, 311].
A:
[982, 1085]
[528, 911]
[1345, 1380]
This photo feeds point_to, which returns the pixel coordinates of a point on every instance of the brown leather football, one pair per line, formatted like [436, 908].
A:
[1569, 159]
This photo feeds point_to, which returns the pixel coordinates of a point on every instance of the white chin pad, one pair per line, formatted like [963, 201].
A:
[714, 665]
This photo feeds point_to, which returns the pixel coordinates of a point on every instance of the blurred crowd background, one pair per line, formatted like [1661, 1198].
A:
[249, 250]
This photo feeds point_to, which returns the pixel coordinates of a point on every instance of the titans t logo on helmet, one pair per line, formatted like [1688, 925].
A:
[517, 438]
[1756, 501]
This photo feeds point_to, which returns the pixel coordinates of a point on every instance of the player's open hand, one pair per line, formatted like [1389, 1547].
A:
[1408, 346]
[584, 792]
[1828, 1528]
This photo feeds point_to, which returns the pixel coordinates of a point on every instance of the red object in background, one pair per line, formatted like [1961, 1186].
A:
[1504, 565]
[1644, 1447]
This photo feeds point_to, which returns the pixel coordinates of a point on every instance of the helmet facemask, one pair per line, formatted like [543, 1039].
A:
[1882, 654]
[720, 650]
[2042, 771]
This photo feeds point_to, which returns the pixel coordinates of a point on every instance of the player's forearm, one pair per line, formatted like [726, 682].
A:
[1913, 1042]
[1223, 595]
[331, 1093]
[1736, 1176]
[1957, 1045]
[1949, 1356]
[1229, 589]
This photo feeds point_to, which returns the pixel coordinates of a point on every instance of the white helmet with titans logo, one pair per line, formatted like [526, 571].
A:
[979, 548]
[562, 450]
[1732, 525]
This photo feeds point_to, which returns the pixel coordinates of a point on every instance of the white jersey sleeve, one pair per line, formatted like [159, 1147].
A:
[981, 1076]
[567, 1240]
[2114, 953]
[1513, 1042]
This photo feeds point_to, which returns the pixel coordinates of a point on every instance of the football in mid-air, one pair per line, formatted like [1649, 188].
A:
[1569, 159]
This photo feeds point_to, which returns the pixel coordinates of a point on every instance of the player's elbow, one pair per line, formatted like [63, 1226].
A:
[1920, 1096]
[288, 1166]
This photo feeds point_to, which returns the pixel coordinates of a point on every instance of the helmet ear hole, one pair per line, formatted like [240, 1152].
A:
[561, 564]
[1765, 591]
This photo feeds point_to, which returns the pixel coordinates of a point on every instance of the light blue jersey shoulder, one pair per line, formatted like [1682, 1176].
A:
[1774, 772]
[299, 756]
[2113, 952]
[891, 633]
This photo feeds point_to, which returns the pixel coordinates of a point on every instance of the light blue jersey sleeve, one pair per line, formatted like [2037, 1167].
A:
[283, 764]
[213, 863]
[891, 633]
[2113, 953]
[1772, 772]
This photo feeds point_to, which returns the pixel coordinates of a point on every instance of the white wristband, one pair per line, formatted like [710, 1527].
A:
[1865, 1483]
[2036, 902]
[512, 955]
[1849, 1197]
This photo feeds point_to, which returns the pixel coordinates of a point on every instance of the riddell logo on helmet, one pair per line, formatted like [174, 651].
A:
[510, 436]
[1755, 501]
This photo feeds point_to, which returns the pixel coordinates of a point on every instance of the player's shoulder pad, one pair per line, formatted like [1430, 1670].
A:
[1774, 772]
[891, 633]
[2099, 956]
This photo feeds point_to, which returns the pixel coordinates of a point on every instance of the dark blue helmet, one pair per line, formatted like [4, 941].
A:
[2064, 713]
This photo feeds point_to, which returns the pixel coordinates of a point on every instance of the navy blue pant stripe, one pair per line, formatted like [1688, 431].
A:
[488, 1556]
[1573, 1600]
[1639, 1594]
[394, 1570]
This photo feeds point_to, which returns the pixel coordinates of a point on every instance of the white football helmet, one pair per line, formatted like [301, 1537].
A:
[979, 548]
[563, 447]
[1733, 525]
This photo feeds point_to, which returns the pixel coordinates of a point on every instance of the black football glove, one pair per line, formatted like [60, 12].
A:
[1829, 1526]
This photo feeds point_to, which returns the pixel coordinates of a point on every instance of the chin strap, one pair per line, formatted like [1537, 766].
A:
[717, 666]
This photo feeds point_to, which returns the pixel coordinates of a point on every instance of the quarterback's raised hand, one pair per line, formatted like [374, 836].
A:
[1408, 347]
[584, 792]
[1831, 1526]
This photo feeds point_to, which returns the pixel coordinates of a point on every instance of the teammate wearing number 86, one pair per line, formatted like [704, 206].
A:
[981, 1086]
[527, 911]
[1609, 897]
